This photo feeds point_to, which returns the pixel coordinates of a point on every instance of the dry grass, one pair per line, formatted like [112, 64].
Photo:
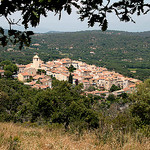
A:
[16, 137]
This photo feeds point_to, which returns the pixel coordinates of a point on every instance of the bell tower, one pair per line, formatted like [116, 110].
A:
[36, 62]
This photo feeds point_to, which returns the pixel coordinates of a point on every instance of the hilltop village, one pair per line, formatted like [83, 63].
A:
[89, 75]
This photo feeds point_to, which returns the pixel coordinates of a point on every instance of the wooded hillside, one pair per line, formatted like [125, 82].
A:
[124, 52]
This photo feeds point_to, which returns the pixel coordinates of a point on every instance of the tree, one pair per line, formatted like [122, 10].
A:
[140, 108]
[94, 11]
[9, 68]
[5, 62]
[114, 88]
[70, 80]
[111, 98]
[91, 88]
[71, 69]
[4, 106]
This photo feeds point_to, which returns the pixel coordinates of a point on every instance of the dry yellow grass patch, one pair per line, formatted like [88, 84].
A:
[16, 137]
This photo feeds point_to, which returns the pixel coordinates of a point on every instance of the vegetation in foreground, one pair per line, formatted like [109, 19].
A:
[25, 137]
[65, 118]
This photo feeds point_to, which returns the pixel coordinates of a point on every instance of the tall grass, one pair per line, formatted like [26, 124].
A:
[19, 137]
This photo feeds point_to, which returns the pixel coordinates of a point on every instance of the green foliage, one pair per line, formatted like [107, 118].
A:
[71, 68]
[123, 95]
[63, 104]
[91, 88]
[8, 74]
[9, 68]
[123, 121]
[111, 98]
[70, 80]
[14, 93]
[6, 62]
[114, 88]
[140, 108]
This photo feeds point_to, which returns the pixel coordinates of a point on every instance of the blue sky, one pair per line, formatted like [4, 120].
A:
[72, 23]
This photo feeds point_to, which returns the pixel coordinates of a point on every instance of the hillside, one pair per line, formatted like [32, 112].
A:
[125, 52]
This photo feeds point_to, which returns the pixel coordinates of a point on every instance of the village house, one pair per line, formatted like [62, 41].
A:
[2, 73]
[103, 94]
[21, 68]
[86, 84]
[24, 76]
[75, 64]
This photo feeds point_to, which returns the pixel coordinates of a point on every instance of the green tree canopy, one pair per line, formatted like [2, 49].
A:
[111, 98]
[141, 103]
[114, 88]
[9, 68]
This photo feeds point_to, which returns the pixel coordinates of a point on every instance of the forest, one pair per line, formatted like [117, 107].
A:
[66, 107]
[125, 52]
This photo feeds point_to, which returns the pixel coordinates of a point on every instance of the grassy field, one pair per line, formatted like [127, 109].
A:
[19, 137]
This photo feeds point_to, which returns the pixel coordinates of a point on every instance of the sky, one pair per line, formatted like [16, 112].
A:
[69, 23]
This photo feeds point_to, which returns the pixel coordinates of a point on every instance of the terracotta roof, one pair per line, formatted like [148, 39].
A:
[43, 86]
[87, 76]
[38, 76]
[101, 78]
[78, 70]
[25, 74]
[100, 92]
[21, 66]
[133, 85]
[76, 77]
[75, 74]
[65, 74]
[1, 71]
[58, 63]
[97, 92]
[85, 81]
[56, 66]
[28, 65]
[43, 65]
[126, 89]
[55, 71]
[32, 83]
[43, 80]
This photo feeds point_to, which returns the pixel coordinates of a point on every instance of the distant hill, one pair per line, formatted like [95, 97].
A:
[117, 50]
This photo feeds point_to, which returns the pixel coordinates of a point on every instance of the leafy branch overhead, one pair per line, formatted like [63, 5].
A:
[15, 36]
[95, 11]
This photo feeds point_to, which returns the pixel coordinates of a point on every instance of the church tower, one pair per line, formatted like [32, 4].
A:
[36, 62]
